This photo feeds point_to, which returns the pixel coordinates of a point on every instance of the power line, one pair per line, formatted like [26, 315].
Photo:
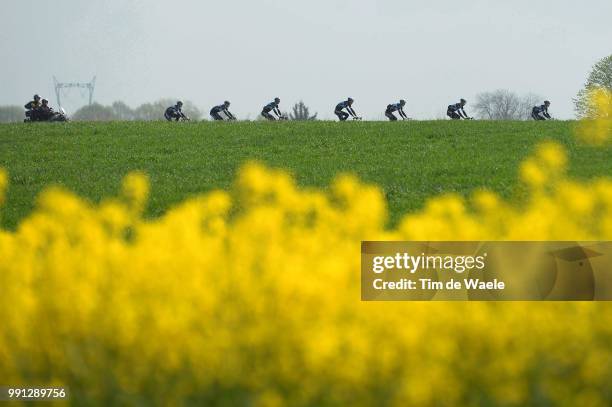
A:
[90, 86]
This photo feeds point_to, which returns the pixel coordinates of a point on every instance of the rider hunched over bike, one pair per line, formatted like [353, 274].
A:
[457, 111]
[541, 112]
[175, 112]
[270, 108]
[216, 111]
[348, 106]
[396, 107]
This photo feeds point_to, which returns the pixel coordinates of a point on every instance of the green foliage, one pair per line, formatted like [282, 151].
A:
[119, 111]
[94, 112]
[410, 160]
[301, 112]
[10, 114]
[600, 77]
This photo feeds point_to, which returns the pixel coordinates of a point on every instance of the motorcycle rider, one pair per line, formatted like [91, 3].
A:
[216, 111]
[541, 112]
[346, 104]
[44, 112]
[31, 107]
[175, 112]
[457, 111]
[272, 107]
[396, 107]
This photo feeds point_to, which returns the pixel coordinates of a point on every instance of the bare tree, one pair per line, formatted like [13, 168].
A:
[503, 104]
[301, 112]
[599, 78]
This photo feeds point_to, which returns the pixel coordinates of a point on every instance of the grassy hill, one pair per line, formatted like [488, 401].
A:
[409, 160]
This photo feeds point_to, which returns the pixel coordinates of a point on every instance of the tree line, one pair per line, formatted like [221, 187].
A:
[120, 111]
[500, 104]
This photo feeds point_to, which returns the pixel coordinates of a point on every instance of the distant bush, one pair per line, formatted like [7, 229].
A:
[120, 111]
[11, 114]
[301, 112]
[94, 112]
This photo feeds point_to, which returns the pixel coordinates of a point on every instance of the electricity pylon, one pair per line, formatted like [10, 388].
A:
[90, 86]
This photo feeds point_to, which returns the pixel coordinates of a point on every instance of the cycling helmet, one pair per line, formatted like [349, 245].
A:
[226, 103]
[276, 100]
[547, 103]
[36, 97]
[179, 103]
[350, 100]
[463, 101]
[402, 102]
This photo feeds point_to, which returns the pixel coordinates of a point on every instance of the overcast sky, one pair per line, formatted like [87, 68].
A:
[322, 51]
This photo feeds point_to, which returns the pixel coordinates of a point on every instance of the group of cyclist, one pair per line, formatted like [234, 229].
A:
[344, 110]
[39, 110]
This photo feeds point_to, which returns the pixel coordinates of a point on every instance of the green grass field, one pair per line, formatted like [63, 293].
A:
[409, 160]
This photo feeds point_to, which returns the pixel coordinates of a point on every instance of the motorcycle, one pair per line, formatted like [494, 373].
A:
[52, 116]
[60, 116]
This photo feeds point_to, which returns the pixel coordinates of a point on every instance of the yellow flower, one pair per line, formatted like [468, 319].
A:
[552, 156]
[532, 174]
[597, 129]
[135, 190]
[3, 184]
[252, 296]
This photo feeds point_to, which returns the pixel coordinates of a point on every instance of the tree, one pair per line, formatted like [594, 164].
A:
[121, 111]
[149, 111]
[502, 104]
[11, 114]
[600, 78]
[94, 112]
[301, 112]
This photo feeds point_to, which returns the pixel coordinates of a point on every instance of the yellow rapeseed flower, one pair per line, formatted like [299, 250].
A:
[597, 129]
[252, 296]
[135, 190]
[3, 184]
[552, 156]
[532, 174]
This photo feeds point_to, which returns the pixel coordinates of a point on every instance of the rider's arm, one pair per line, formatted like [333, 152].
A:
[401, 112]
[351, 111]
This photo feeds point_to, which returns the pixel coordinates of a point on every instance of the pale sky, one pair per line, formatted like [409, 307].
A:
[322, 51]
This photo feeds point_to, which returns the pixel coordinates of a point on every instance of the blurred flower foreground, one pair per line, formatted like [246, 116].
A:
[251, 297]
[596, 129]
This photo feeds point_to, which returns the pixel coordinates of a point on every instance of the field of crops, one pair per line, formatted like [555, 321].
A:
[246, 291]
[410, 161]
